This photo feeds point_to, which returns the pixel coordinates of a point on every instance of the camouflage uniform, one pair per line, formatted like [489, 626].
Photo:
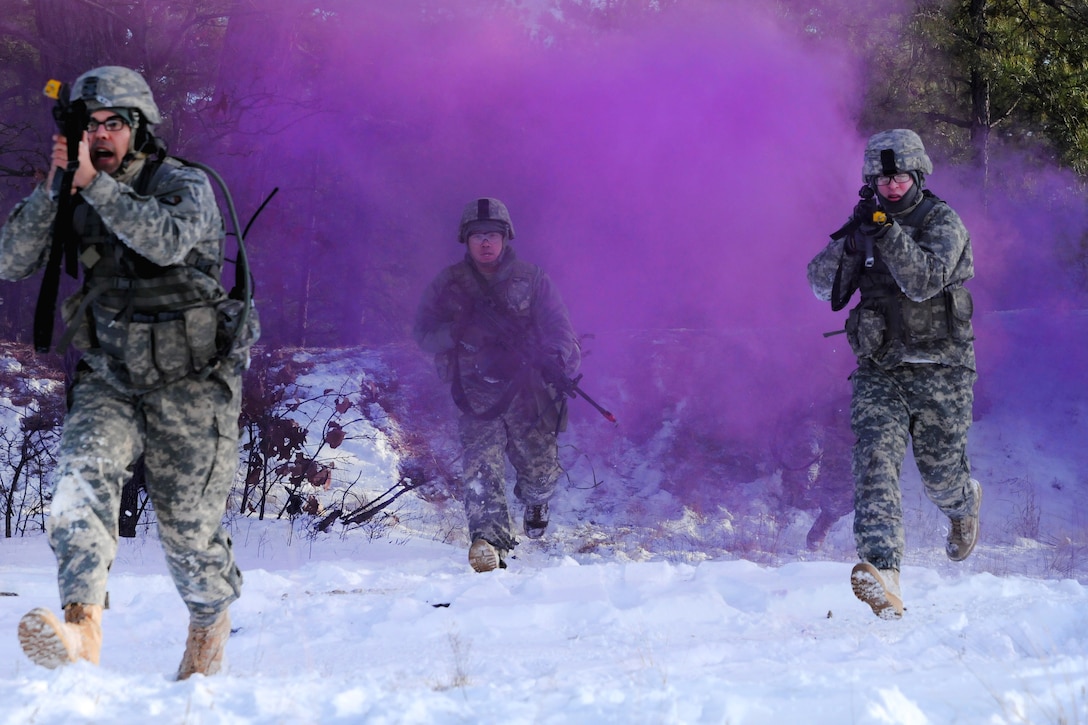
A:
[526, 434]
[912, 335]
[488, 336]
[147, 318]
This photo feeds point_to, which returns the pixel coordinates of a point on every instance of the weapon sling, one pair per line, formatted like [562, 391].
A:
[64, 243]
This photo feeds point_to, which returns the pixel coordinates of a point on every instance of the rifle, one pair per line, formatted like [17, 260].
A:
[569, 386]
[512, 339]
[866, 193]
[72, 118]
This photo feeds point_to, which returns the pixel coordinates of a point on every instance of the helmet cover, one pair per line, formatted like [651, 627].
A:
[896, 151]
[114, 86]
[491, 212]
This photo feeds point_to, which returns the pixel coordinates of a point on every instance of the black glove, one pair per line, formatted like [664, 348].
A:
[864, 212]
[553, 372]
[865, 227]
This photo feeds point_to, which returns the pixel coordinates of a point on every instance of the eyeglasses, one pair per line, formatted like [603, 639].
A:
[898, 178]
[113, 124]
[481, 237]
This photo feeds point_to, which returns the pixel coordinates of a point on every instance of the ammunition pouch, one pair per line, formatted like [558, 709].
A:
[865, 330]
[161, 348]
[233, 338]
[496, 362]
[948, 315]
[157, 349]
[961, 308]
[877, 322]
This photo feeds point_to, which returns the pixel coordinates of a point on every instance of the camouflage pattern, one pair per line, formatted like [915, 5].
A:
[481, 362]
[533, 452]
[930, 405]
[910, 385]
[910, 153]
[114, 86]
[182, 201]
[484, 209]
[529, 300]
[185, 219]
[188, 432]
[185, 423]
[924, 261]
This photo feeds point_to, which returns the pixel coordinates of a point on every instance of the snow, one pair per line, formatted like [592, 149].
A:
[347, 630]
[632, 609]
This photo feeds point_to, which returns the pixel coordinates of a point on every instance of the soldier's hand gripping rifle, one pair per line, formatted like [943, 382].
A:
[867, 212]
[551, 370]
[566, 385]
[72, 118]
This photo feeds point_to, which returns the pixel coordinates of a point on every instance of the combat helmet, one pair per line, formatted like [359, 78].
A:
[114, 86]
[485, 209]
[899, 150]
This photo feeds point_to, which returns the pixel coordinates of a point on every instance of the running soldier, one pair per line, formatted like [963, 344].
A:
[155, 379]
[502, 338]
[908, 254]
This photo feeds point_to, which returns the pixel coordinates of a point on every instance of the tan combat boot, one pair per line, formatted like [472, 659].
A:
[963, 531]
[51, 643]
[204, 648]
[483, 556]
[879, 588]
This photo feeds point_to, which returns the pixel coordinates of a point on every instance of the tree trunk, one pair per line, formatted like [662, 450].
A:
[980, 91]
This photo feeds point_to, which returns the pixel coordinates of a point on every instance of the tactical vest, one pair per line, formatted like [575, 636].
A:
[158, 322]
[503, 308]
[885, 316]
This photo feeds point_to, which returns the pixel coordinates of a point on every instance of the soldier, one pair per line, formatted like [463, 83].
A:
[155, 378]
[503, 340]
[908, 254]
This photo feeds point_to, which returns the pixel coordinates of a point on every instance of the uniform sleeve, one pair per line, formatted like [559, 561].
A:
[825, 265]
[26, 236]
[923, 264]
[162, 228]
[553, 323]
[434, 320]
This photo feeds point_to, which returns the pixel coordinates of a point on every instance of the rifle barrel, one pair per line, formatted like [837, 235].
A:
[607, 414]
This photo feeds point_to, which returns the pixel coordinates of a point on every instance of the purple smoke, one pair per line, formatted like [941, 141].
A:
[674, 177]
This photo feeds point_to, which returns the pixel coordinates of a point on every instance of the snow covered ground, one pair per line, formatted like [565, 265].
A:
[635, 608]
[350, 630]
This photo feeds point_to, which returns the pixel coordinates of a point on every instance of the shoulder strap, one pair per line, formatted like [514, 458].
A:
[842, 290]
[920, 212]
[147, 173]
